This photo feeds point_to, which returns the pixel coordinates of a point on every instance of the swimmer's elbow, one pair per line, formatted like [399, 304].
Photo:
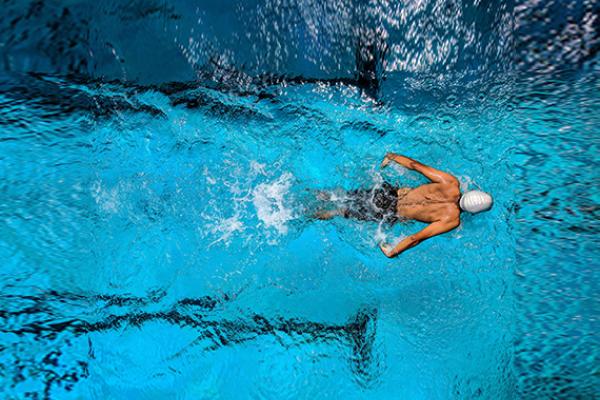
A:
[452, 180]
[453, 224]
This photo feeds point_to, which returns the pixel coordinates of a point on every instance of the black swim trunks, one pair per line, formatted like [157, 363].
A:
[376, 204]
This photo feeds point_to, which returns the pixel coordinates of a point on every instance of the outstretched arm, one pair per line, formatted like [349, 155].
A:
[432, 174]
[433, 229]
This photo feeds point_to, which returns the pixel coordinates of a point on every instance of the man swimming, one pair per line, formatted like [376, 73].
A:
[439, 203]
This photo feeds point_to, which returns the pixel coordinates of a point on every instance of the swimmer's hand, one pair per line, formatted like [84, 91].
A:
[387, 249]
[386, 161]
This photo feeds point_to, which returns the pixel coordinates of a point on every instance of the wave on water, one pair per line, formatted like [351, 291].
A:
[153, 146]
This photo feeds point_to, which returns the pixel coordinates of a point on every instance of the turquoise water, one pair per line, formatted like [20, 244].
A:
[163, 211]
[156, 239]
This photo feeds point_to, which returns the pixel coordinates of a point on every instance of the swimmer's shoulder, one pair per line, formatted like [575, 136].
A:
[451, 216]
[453, 189]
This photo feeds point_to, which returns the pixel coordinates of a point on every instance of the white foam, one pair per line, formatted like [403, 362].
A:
[209, 179]
[465, 183]
[399, 169]
[107, 199]
[269, 201]
[381, 236]
[258, 168]
[225, 228]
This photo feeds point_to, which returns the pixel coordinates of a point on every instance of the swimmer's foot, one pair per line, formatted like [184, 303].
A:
[323, 215]
[323, 195]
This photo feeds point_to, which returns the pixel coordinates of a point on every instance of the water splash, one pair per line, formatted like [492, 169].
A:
[272, 202]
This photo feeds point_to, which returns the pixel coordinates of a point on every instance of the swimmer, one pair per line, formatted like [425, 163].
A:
[438, 203]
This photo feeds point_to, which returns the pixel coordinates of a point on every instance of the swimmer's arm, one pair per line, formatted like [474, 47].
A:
[433, 229]
[432, 174]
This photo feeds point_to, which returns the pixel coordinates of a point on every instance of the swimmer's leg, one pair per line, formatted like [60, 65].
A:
[329, 214]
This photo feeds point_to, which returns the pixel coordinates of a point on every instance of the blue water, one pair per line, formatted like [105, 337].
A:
[156, 239]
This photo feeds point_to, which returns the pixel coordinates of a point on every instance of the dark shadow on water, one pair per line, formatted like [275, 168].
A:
[44, 319]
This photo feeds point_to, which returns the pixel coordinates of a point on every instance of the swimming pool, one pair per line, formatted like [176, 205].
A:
[155, 239]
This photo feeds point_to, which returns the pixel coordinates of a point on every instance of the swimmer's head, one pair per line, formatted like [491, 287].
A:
[475, 201]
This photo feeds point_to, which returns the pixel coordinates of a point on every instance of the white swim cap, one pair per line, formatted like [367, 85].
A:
[475, 201]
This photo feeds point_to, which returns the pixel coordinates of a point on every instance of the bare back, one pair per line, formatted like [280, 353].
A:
[436, 203]
[429, 203]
